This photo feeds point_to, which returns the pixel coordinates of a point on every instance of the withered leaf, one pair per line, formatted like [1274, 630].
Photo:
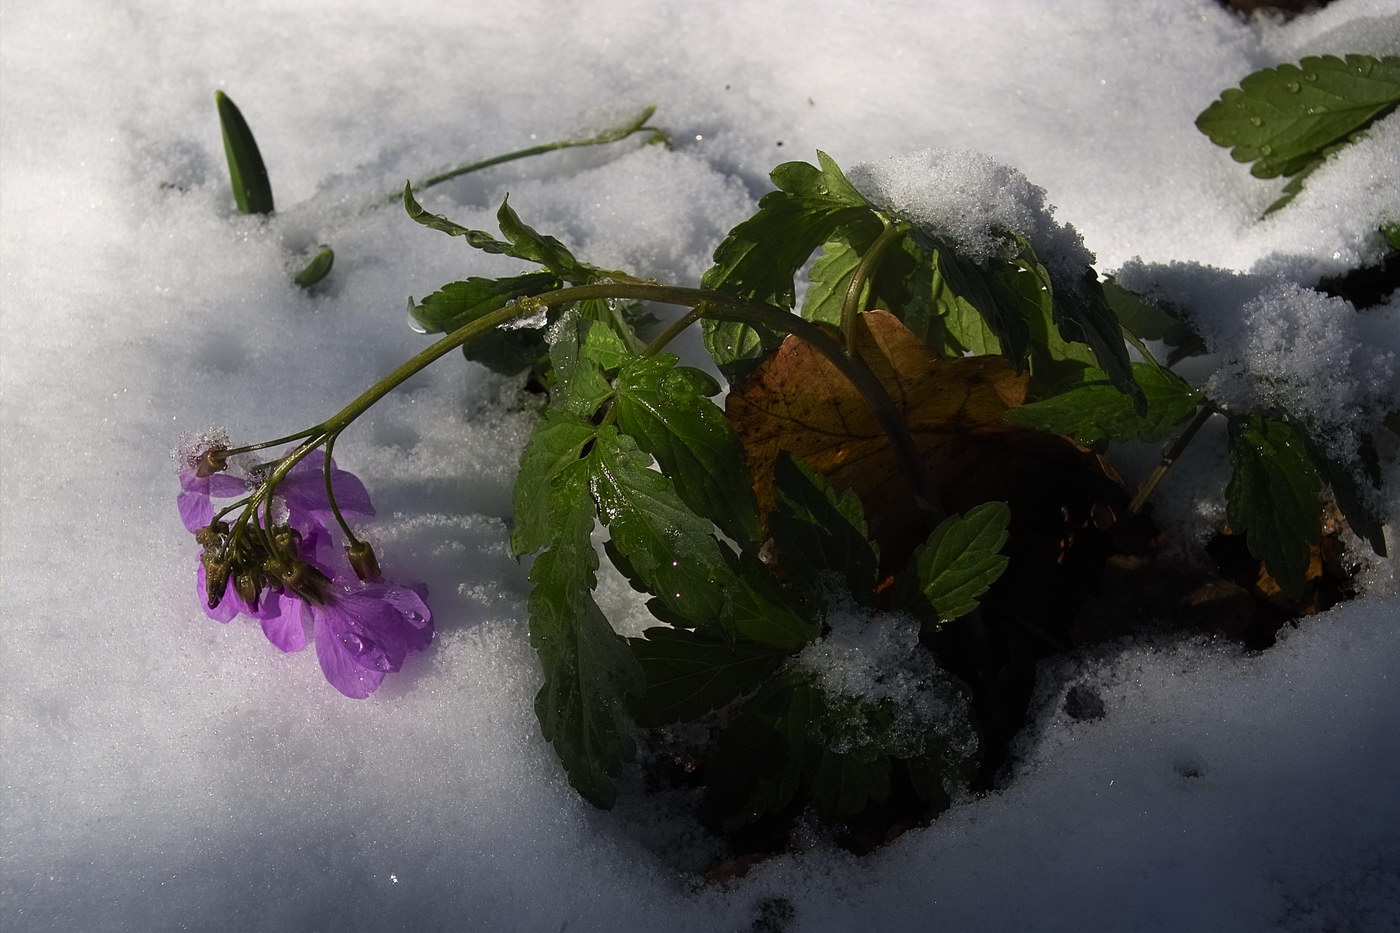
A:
[799, 402]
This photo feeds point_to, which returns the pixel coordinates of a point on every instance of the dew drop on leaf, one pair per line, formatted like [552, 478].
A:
[1255, 121]
[414, 326]
[1309, 76]
[1293, 87]
[1266, 150]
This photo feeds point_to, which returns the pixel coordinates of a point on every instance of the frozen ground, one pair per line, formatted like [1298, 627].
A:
[163, 772]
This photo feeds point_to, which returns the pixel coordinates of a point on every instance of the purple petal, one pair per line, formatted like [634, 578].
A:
[339, 665]
[282, 621]
[196, 509]
[304, 491]
[231, 605]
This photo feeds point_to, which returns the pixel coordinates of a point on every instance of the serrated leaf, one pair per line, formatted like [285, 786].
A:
[828, 281]
[478, 239]
[957, 565]
[960, 286]
[690, 674]
[844, 784]
[1083, 315]
[556, 443]
[536, 247]
[1282, 118]
[759, 257]
[252, 191]
[668, 549]
[817, 532]
[581, 385]
[589, 671]
[1272, 498]
[459, 303]
[667, 409]
[1096, 411]
[763, 612]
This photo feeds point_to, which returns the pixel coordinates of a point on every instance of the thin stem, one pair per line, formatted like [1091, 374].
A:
[607, 136]
[851, 306]
[676, 328]
[1169, 456]
[265, 444]
[330, 494]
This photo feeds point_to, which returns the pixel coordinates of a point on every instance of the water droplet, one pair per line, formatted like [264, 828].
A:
[1309, 76]
[1255, 121]
[381, 663]
[413, 324]
[1266, 150]
[1293, 87]
[1364, 66]
[354, 643]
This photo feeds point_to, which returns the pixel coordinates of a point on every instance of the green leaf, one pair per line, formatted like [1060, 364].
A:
[960, 287]
[844, 784]
[765, 613]
[668, 550]
[1346, 483]
[1272, 498]
[756, 765]
[478, 239]
[589, 671]
[545, 250]
[459, 303]
[1392, 235]
[1282, 118]
[957, 564]
[581, 384]
[1148, 320]
[1083, 315]
[760, 257]
[248, 176]
[828, 281]
[317, 269]
[1096, 411]
[690, 674]
[666, 408]
[818, 533]
[556, 444]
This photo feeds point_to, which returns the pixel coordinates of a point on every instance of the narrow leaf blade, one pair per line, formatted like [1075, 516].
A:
[252, 190]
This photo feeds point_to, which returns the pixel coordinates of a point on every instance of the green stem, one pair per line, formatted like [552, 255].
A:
[330, 494]
[607, 136]
[868, 263]
[1169, 456]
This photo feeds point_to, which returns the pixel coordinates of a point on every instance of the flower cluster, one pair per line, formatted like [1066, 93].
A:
[275, 563]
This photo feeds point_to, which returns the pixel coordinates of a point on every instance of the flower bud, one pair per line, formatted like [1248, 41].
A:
[248, 584]
[214, 460]
[212, 535]
[216, 573]
[304, 580]
[287, 540]
[363, 561]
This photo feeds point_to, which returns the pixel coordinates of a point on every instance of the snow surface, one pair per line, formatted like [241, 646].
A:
[164, 772]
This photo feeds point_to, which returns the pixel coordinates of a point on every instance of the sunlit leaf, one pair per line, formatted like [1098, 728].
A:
[247, 175]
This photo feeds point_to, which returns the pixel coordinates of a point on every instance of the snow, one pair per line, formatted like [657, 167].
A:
[165, 772]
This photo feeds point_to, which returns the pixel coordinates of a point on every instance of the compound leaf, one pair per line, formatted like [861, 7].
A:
[1282, 118]
[667, 409]
[589, 671]
[760, 257]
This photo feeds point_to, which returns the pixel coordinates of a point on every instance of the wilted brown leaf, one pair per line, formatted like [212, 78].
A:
[799, 402]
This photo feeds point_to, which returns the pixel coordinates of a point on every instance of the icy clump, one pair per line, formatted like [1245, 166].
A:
[875, 659]
[1300, 350]
[972, 201]
[1277, 345]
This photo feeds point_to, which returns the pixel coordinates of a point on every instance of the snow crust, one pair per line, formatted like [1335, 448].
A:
[163, 772]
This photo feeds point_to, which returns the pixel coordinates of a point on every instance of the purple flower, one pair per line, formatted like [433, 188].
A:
[304, 491]
[196, 509]
[364, 632]
[281, 615]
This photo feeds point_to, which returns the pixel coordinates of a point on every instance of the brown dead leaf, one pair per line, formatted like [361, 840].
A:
[798, 401]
